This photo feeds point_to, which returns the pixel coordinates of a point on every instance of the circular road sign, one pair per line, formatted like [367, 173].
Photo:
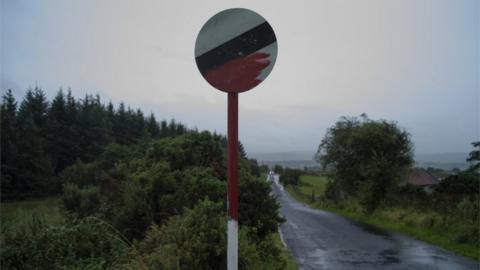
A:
[236, 50]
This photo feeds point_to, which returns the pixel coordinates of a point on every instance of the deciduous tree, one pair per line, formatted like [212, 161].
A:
[366, 157]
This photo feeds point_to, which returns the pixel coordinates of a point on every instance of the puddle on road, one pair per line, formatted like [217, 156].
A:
[352, 259]
[389, 256]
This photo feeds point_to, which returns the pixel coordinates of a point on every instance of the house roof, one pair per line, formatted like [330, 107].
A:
[420, 177]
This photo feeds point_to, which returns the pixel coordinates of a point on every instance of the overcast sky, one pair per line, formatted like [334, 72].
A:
[415, 62]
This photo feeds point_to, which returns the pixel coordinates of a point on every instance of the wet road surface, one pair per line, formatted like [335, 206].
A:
[323, 240]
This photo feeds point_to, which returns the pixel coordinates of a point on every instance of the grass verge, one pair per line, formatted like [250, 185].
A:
[285, 254]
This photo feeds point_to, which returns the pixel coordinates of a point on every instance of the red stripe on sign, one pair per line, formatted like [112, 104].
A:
[240, 74]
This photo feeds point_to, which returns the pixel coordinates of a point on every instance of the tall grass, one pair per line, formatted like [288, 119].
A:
[24, 215]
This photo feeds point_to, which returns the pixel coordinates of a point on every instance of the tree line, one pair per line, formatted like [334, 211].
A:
[135, 194]
[40, 138]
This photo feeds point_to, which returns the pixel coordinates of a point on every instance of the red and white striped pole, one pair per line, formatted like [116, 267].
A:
[232, 230]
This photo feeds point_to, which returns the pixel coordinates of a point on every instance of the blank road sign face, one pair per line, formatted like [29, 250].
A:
[236, 50]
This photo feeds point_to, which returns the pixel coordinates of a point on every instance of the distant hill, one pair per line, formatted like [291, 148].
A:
[292, 159]
[282, 156]
[446, 161]
[301, 159]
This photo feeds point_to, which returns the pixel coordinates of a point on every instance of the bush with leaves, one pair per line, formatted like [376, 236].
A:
[196, 184]
[151, 196]
[190, 150]
[457, 197]
[80, 174]
[82, 202]
[173, 174]
[196, 240]
[253, 166]
[258, 210]
[291, 177]
[409, 196]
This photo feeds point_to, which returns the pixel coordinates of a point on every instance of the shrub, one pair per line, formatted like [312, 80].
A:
[257, 208]
[89, 244]
[466, 233]
[194, 240]
[133, 216]
[291, 177]
[81, 201]
[80, 174]
[196, 184]
[160, 187]
[197, 240]
[190, 150]
[113, 154]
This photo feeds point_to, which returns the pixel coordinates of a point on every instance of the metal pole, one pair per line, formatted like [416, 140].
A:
[232, 234]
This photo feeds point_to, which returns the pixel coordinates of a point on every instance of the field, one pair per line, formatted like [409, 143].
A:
[420, 225]
[308, 185]
[23, 214]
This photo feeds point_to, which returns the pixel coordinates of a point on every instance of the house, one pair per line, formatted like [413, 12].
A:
[421, 178]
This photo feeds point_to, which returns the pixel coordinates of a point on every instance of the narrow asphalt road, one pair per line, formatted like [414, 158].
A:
[323, 240]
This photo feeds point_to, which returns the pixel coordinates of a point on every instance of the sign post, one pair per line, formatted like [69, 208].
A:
[235, 51]
[232, 225]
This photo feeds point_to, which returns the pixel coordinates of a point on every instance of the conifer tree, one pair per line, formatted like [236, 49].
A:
[92, 128]
[163, 129]
[34, 170]
[40, 139]
[35, 103]
[58, 135]
[152, 126]
[119, 122]
[9, 151]
[139, 127]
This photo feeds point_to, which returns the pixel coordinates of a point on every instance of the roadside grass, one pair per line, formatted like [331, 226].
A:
[23, 215]
[285, 254]
[425, 226]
